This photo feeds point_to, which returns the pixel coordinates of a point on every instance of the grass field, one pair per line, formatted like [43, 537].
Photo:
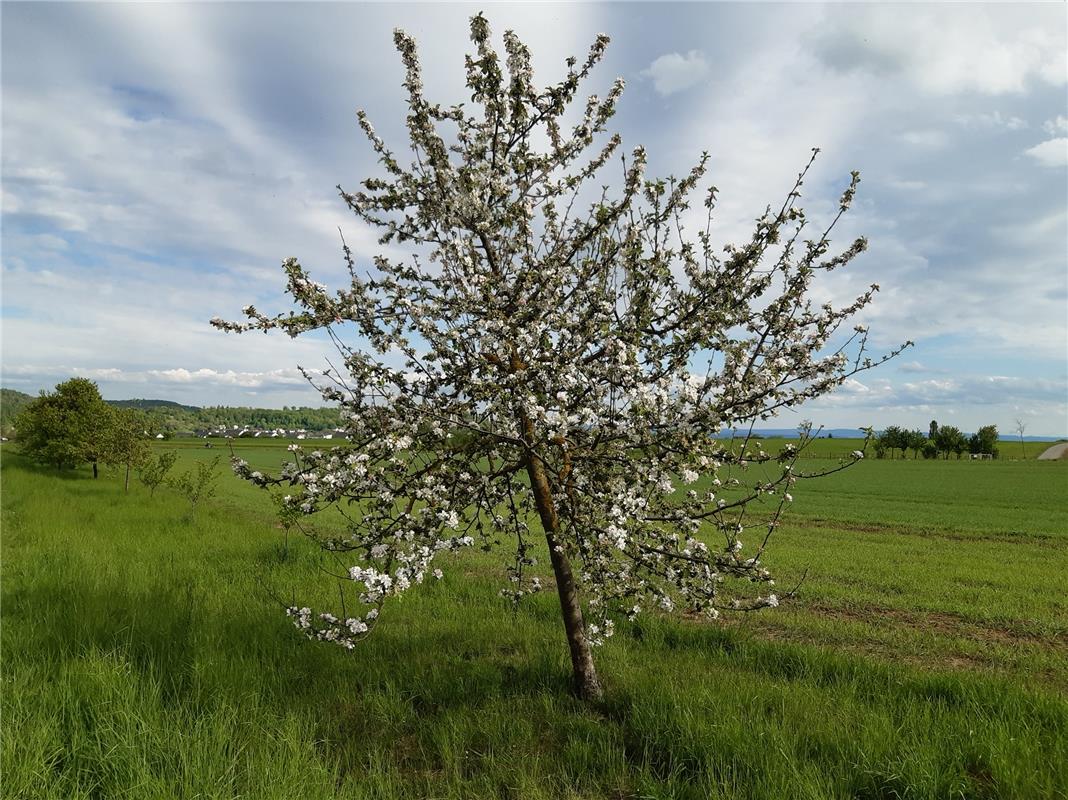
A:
[925, 656]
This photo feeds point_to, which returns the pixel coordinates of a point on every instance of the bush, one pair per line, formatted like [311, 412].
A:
[198, 483]
[154, 472]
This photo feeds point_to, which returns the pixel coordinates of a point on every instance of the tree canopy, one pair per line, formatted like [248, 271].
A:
[67, 426]
[586, 343]
[950, 439]
[985, 440]
[126, 441]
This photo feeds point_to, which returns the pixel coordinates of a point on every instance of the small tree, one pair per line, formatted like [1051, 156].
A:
[1021, 426]
[986, 440]
[893, 438]
[126, 443]
[155, 468]
[198, 483]
[66, 427]
[949, 439]
[932, 430]
[590, 360]
[915, 440]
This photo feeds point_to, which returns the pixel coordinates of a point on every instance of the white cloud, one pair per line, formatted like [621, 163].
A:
[914, 367]
[33, 173]
[1055, 126]
[256, 380]
[274, 378]
[951, 48]
[1050, 153]
[51, 242]
[928, 139]
[102, 374]
[852, 386]
[1049, 230]
[968, 401]
[9, 203]
[673, 73]
[907, 185]
[993, 119]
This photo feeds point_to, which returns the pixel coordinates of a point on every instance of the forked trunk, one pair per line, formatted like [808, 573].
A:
[587, 684]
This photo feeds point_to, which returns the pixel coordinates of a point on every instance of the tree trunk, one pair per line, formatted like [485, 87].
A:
[127, 476]
[95, 474]
[587, 684]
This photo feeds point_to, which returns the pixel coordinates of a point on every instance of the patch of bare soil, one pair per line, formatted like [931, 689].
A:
[952, 626]
[1008, 537]
[943, 623]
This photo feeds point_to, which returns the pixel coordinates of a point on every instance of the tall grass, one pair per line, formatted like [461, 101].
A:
[143, 657]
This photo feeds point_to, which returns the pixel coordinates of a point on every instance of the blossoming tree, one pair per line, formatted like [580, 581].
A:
[530, 371]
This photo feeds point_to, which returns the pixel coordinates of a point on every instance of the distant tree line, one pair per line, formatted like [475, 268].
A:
[267, 418]
[173, 418]
[939, 441]
[169, 418]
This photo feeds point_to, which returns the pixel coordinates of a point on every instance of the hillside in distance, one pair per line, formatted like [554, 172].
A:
[168, 416]
[149, 405]
[11, 403]
[175, 418]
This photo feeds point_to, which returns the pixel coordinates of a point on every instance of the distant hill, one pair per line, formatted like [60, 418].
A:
[175, 418]
[146, 405]
[14, 397]
[11, 403]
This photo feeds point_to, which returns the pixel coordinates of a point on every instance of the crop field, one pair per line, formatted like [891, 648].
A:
[925, 654]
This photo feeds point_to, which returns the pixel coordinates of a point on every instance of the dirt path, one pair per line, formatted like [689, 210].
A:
[1055, 452]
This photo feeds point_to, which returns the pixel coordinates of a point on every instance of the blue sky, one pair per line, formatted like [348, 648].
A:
[159, 162]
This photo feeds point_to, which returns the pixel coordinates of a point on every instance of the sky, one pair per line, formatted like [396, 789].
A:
[159, 161]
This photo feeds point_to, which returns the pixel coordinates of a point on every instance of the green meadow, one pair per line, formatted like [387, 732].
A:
[924, 655]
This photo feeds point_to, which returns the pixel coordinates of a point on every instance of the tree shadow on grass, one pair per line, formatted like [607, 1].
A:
[169, 629]
[13, 458]
[429, 694]
[403, 698]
